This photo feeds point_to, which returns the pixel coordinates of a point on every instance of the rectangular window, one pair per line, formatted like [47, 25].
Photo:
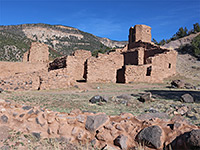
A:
[149, 69]
[170, 65]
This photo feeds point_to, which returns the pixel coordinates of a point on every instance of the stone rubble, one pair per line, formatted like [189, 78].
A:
[108, 132]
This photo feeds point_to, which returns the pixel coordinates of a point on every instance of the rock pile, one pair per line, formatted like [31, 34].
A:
[117, 132]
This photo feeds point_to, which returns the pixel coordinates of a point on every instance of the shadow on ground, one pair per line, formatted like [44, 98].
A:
[174, 95]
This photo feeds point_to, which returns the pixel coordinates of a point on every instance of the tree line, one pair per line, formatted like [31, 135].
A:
[182, 32]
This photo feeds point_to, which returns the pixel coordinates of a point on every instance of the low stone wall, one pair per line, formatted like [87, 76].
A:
[105, 132]
[56, 79]
[104, 68]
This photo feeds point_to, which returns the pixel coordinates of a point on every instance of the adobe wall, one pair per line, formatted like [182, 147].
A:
[76, 64]
[38, 52]
[104, 68]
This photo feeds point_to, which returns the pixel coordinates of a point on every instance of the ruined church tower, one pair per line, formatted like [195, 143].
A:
[139, 33]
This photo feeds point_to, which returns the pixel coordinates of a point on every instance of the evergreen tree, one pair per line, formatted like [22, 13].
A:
[196, 27]
[154, 41]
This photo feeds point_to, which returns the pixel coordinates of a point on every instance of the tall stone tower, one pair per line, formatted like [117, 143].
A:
[139, 33]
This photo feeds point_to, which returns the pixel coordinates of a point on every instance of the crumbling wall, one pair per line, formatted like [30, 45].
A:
[55, 79]
[139, 33]
[161, 66]
[26, 81]
[151, 52]
[39, 52]
[104, 68]
[76, 64]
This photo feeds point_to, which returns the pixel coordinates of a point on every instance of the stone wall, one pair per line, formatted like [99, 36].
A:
[38, 52]
[76, 64]
[139, 33]
[104, 68]
[159, 67]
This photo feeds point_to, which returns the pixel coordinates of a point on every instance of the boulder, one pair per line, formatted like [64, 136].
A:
[145, 97]
[187, 141]
[121, 142]
[177, 84]
[93, 122]
[194, 139]
[151, 136]
[98, 98]
[187, 98]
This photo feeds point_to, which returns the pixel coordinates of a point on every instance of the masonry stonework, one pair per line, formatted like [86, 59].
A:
[104, 68]
[139, 61]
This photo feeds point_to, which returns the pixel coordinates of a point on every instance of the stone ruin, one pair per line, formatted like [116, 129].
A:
[104, 132]
[139, 61]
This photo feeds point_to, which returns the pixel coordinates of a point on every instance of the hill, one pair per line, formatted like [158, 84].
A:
[62, 40]
[181, 42]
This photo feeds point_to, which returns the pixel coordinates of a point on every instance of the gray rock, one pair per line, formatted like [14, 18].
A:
[4, 119]
[1, 90]
[187, 98]
[151, 136]
[194, 139]
[177, 84]
[124, 96]
[187, 141]
[26, 107]
[98, 98]
[121, 142]
[93, 122]
[35, 134]
[148, 116]
[145, 97]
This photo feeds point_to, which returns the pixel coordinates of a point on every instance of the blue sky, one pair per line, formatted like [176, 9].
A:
[105, 18]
